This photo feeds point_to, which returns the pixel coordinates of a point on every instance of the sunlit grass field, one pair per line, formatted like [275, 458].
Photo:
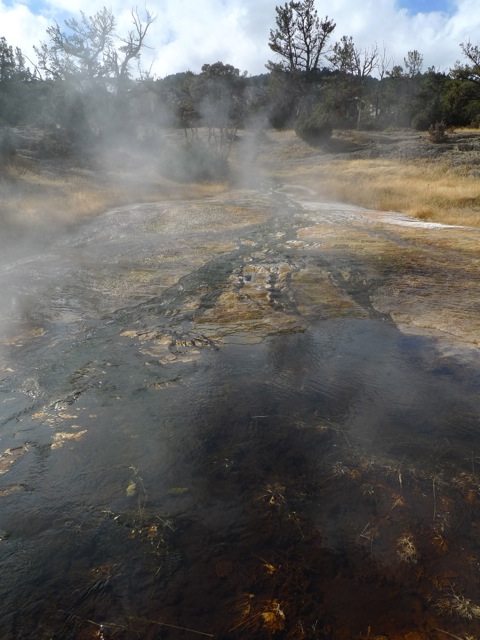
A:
[423, 189]
[434, 189]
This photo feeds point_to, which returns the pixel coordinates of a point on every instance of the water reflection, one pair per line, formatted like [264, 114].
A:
[164, 483]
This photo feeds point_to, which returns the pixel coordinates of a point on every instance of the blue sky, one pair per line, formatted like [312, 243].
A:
[189, 33]
[426, 6]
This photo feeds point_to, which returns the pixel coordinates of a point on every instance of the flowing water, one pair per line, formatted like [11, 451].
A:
[209, 430]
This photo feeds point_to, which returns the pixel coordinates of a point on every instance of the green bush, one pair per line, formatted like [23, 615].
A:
[280, 116]
[314, 127]
[421, 122]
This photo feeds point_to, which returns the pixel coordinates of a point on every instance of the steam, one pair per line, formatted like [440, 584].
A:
[91, 160]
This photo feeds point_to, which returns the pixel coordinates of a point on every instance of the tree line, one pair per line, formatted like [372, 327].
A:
[87, 85]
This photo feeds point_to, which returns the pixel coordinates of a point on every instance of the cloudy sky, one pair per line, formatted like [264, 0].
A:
[189, 33]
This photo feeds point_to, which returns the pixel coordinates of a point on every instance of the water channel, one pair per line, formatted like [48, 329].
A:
[210, 429]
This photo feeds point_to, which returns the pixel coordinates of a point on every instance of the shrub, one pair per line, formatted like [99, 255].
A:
[54, 143]
[280, 116]
[195, 161]
[438, 132]
[421, 122]
[475, 121]
[313, 126]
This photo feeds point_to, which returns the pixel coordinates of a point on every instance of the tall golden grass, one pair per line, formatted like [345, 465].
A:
[34, 194]
[424, 189]
[434, 189]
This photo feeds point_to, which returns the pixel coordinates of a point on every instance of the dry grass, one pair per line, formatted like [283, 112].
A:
[434, 189]
[34, 194]
[38, 200]
[443, 188]
[423, 189]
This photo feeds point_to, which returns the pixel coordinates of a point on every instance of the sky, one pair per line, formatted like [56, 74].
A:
[188, 33]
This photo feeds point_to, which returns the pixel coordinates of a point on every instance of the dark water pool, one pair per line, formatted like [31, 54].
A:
[319, 484]
[189, 482]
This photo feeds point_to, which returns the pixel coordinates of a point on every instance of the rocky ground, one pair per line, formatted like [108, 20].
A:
[459, 147]
[462, 147]
[423, 275]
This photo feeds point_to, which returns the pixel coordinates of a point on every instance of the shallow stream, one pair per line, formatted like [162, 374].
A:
[209, 429]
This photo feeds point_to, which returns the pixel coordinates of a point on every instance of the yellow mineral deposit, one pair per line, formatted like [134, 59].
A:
[61, 437]
[318, 296]
[14, 488]
[11, 455]
[39, 415]
[20, 339]
[249, 302]
[131, 488]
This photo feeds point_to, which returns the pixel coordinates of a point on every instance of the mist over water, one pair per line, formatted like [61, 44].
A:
[232, 409]
[180, 429]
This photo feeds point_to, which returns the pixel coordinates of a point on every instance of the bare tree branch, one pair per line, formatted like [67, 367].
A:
[300, 37]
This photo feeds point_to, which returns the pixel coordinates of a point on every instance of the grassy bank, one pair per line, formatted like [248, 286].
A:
[424, 189]
[430, 182]
[67, 191]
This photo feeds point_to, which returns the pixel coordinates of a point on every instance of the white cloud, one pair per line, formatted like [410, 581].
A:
[21, 27]
[189, 33]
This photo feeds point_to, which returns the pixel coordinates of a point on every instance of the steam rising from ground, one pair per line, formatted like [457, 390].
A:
[47, 201]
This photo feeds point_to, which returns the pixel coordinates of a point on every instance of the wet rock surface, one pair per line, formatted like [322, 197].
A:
[266, 414]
